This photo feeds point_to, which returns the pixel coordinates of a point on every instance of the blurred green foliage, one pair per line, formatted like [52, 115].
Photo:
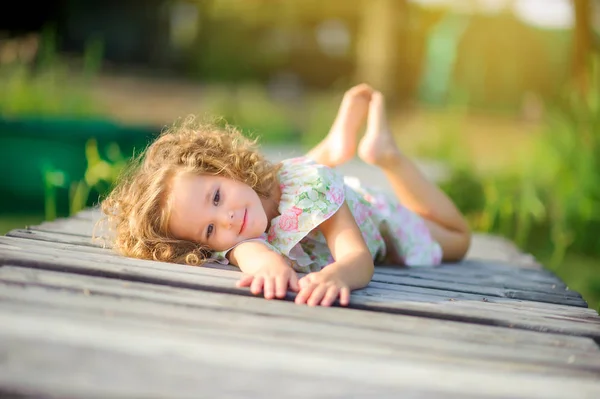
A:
[549, 202]
[99, 177]
[43, 84]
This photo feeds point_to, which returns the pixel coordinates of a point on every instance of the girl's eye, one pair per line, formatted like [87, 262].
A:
[217, 197]
[209, 230]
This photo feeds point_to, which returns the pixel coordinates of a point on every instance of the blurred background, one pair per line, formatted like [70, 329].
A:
[505, 94]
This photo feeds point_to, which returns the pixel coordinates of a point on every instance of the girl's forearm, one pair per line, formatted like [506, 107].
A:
[253, 255]
[355, 270]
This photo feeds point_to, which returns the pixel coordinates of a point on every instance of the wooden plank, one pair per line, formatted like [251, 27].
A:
[347, 347]
[410, 276]
[414, 294]
[38, 369]
[447, 274]
[455, 290]
[45, 349]
[542, 278]
[92, 213]
[492, 247]
[397, 324]
[93, 250]
[288, 331]
[202, 279]
[485, 291]
[316, 336]
[519, 305]
[440, 329]
[102, 299]
[73, 226]
[505, 268]
[470, 271]
[55, 237]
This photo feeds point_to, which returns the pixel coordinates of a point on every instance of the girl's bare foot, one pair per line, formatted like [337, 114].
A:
[339, 145]
[378, 146]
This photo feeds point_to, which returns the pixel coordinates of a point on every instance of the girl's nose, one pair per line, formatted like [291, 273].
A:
[227, 219]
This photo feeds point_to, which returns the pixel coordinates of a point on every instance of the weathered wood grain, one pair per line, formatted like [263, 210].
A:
[55, 237]
[106, 297]
[108, 373]
[460, 288]
[90, 286]
[120, 324]
[467, 272]
[222, 281]
[479, 271]
[316, 337]
[417, 294]
[181, 366]
[80, 227]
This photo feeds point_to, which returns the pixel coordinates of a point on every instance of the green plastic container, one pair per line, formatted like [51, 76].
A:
[28, 145]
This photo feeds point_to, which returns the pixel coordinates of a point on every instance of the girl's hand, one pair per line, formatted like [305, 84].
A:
[322, 288]
[272, 279]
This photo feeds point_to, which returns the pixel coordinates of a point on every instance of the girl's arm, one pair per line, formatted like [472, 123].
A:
[353, 266]
[265, 271]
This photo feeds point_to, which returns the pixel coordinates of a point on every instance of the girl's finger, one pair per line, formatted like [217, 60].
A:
[330, 296]
[304, 294]
[245, 281]
[304, 281]
[269, 288]
[294, 285]
[257, 285]
[345, 296]
[280, 286]
[317, 295]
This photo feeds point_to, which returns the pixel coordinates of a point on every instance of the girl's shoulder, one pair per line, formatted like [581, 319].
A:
[310, 194]
[307, 171]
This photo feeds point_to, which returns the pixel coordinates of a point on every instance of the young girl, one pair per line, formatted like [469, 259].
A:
[204, 193]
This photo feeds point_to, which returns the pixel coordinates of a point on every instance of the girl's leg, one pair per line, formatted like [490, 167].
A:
[340, 144]
[445, 222]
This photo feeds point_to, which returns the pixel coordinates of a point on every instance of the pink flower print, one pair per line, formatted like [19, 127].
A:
[335, 195]
[381, 206]
[437, 258]
[271, 235]
[361, 213]
[421, 230]
[369, 198]
[288, 221]
[401, 235]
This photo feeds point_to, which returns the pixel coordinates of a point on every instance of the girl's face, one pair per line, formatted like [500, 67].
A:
[215, 211]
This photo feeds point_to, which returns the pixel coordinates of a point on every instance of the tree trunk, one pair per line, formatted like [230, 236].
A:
[377, 45]
[582, 44]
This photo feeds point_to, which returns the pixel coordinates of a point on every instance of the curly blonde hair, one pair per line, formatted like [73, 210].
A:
[137, 209]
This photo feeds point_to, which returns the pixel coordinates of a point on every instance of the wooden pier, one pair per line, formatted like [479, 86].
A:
[78, 321]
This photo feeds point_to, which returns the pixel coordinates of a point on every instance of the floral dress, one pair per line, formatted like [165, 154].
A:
[311, 193]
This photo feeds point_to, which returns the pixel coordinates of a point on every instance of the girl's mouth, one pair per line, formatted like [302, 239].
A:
[243, 221]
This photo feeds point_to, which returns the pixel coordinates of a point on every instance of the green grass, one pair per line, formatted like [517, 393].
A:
[11, 222]
[581, 274]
